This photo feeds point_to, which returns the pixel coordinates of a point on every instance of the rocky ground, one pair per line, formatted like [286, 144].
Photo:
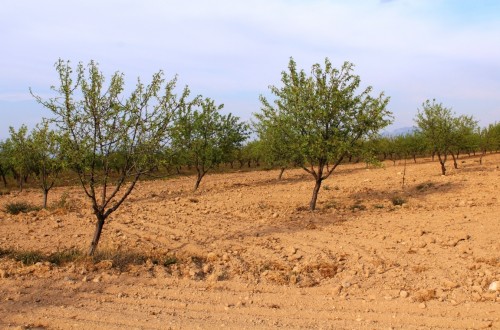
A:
[245, 253]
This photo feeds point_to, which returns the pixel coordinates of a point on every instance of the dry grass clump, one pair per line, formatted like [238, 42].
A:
[20, 207]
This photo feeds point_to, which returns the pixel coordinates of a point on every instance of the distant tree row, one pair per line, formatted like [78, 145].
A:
[315, 121]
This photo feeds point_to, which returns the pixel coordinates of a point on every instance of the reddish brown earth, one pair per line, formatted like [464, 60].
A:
[249, 256]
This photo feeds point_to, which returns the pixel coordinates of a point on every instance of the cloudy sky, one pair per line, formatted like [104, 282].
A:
[232, 50]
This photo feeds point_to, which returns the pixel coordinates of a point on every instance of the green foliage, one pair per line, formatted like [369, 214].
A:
[28, 257]
[104, 130]
[17, 150]
[443, 131]
[19, 207]
[65, 256]
[204, 138]
[46, 157]
[5, 161]
[320, 118]
[488, 138]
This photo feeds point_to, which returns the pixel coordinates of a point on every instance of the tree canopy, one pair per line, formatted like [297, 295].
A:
[104, 130]
[321, 116]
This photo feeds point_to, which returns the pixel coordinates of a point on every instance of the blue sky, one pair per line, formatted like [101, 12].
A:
[232, 50]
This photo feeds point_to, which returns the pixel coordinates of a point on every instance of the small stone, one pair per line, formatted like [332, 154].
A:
[225, 257]
[494, 286]
[447, 284]
[275, 215]
[211, 256]
[3, 273]
[477, 288]
[336, 290]
[422, 306]
[291, 250]
[346, 284]
[207, 268]
[403, 294]
[421, 245]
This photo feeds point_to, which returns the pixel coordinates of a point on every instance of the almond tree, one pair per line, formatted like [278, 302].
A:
[98, 122]
[464, 128]
[323, 115]
[276, 148]
[17, 152]
[204, 138]
[46, 157]
[441, 129]
[4, 163]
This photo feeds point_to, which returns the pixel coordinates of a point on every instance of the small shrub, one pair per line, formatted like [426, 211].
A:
[167, 261]
[378, 206]
[5, 252]
[65, 256]
[327, 187]
[28, 257]
[424, 186]
[358, 206]
[20, 207]
[397, 200]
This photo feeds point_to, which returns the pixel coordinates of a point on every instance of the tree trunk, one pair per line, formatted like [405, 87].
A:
[97, 234]
[45, 195]
[442, 161]
[199, 177]
[455, 164]
[443, 168]
[4, 179]
[280, 176]
[414, 158]
[312, 204]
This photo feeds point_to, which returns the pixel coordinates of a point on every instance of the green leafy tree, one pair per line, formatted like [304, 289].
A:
[4, 162]
[18, 153]
[275, 146]
[98, 122]
[204, 138]
[415, 144]
[463, 140]
[440, 128]
[488, 139]
[323, 115]
[46, 157]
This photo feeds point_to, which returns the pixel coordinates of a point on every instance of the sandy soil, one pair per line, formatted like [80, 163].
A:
[248, 254]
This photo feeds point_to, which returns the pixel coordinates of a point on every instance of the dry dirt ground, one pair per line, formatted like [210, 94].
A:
[244, 253]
